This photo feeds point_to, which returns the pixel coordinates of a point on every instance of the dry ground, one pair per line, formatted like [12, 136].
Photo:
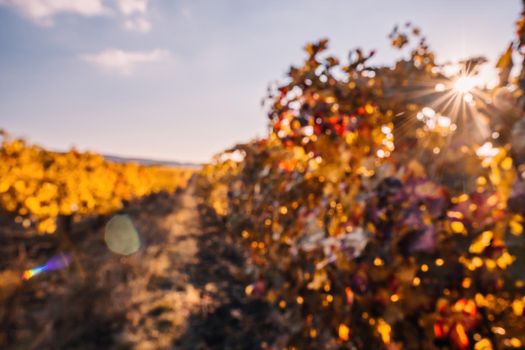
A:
[184, 289]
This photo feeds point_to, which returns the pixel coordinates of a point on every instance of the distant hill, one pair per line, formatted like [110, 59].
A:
[144, 161]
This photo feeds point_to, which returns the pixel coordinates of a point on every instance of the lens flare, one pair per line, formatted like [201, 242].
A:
[55, 263]
[121, 236]
[465, 83]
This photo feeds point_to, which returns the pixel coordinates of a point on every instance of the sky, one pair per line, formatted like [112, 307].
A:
[183, 79]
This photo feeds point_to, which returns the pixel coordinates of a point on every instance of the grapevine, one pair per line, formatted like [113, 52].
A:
[38, 186]
[384, 209]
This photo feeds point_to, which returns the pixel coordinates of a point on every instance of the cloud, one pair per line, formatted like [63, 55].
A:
[131, 7]
[133, 13]
[125, 62]
[139, 24]
[44, 11]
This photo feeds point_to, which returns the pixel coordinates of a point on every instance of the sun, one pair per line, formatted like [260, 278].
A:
[465, 83]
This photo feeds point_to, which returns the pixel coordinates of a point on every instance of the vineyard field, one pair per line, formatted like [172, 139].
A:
[383, 207]
[38, 186]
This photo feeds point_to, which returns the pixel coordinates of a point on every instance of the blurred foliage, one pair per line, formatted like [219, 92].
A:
[38, 186]
[385, 207]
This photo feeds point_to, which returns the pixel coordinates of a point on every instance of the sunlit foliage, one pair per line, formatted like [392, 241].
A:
[37, 186]
[384, 209]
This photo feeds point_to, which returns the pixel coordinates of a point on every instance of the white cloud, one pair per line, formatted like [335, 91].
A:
[125, 62]
[131, 7]
[133, 13]
[139, 24]
[44, 11]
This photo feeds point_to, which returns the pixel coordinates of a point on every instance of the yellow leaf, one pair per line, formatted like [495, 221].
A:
[344, 332]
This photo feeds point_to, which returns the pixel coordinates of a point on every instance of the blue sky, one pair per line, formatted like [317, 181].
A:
[181, 80]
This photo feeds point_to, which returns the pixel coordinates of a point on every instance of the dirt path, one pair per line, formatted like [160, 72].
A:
[160, 297]
[184, 289]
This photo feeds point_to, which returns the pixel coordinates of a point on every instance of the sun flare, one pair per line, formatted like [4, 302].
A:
[465, 83]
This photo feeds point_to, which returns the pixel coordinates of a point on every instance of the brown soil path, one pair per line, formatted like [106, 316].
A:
[184, 289]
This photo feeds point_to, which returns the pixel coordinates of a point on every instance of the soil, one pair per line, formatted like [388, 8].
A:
[184, 288]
